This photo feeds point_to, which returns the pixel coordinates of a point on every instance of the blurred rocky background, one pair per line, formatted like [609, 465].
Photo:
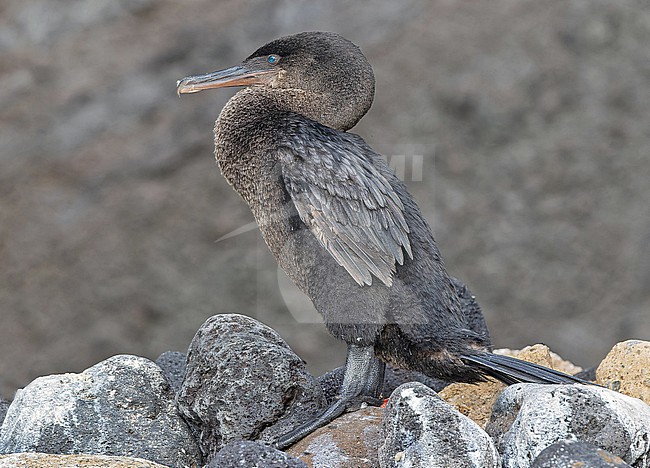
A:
[522, 127]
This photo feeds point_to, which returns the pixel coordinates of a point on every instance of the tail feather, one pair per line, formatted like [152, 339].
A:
[510, 370]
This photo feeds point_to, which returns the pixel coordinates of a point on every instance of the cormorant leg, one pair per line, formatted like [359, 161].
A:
[362, 383]
[364, 375]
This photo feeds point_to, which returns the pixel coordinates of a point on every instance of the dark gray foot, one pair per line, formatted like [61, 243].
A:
[362, 382]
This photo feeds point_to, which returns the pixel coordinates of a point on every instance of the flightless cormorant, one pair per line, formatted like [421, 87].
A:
[340, 223]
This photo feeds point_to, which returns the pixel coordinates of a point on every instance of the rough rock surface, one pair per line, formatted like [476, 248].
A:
[172, 364]
[476, 400]
[245, 453]
[588, 374]
[47, 460]
[473, 400]
[121, 406]
[420, 429]
[528, 418]
[244, 382]
[575, 454]
[626, 369]
[4, 406]
[350, 441]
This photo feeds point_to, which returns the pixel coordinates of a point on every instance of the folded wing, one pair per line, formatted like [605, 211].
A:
[345, 201]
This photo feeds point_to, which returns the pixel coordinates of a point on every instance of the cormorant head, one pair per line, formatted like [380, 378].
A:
[318, 74]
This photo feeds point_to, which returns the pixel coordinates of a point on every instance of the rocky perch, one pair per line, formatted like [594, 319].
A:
[240, 386]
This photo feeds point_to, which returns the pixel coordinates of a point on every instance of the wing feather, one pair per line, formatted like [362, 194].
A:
[345, 201]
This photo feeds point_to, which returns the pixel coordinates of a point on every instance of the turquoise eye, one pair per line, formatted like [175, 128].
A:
[272, 59]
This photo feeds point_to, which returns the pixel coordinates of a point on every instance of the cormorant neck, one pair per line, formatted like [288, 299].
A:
[340, 111]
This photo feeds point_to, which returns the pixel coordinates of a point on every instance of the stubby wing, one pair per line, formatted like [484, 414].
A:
[345, 201]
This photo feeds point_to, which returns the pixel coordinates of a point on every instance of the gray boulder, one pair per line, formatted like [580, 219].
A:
[527, 418]
[351, 440]
[422, 430]
[121, 406]
[4, 406]
[573, 453]
[244, 382]
[246, 453]
[172, 364]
